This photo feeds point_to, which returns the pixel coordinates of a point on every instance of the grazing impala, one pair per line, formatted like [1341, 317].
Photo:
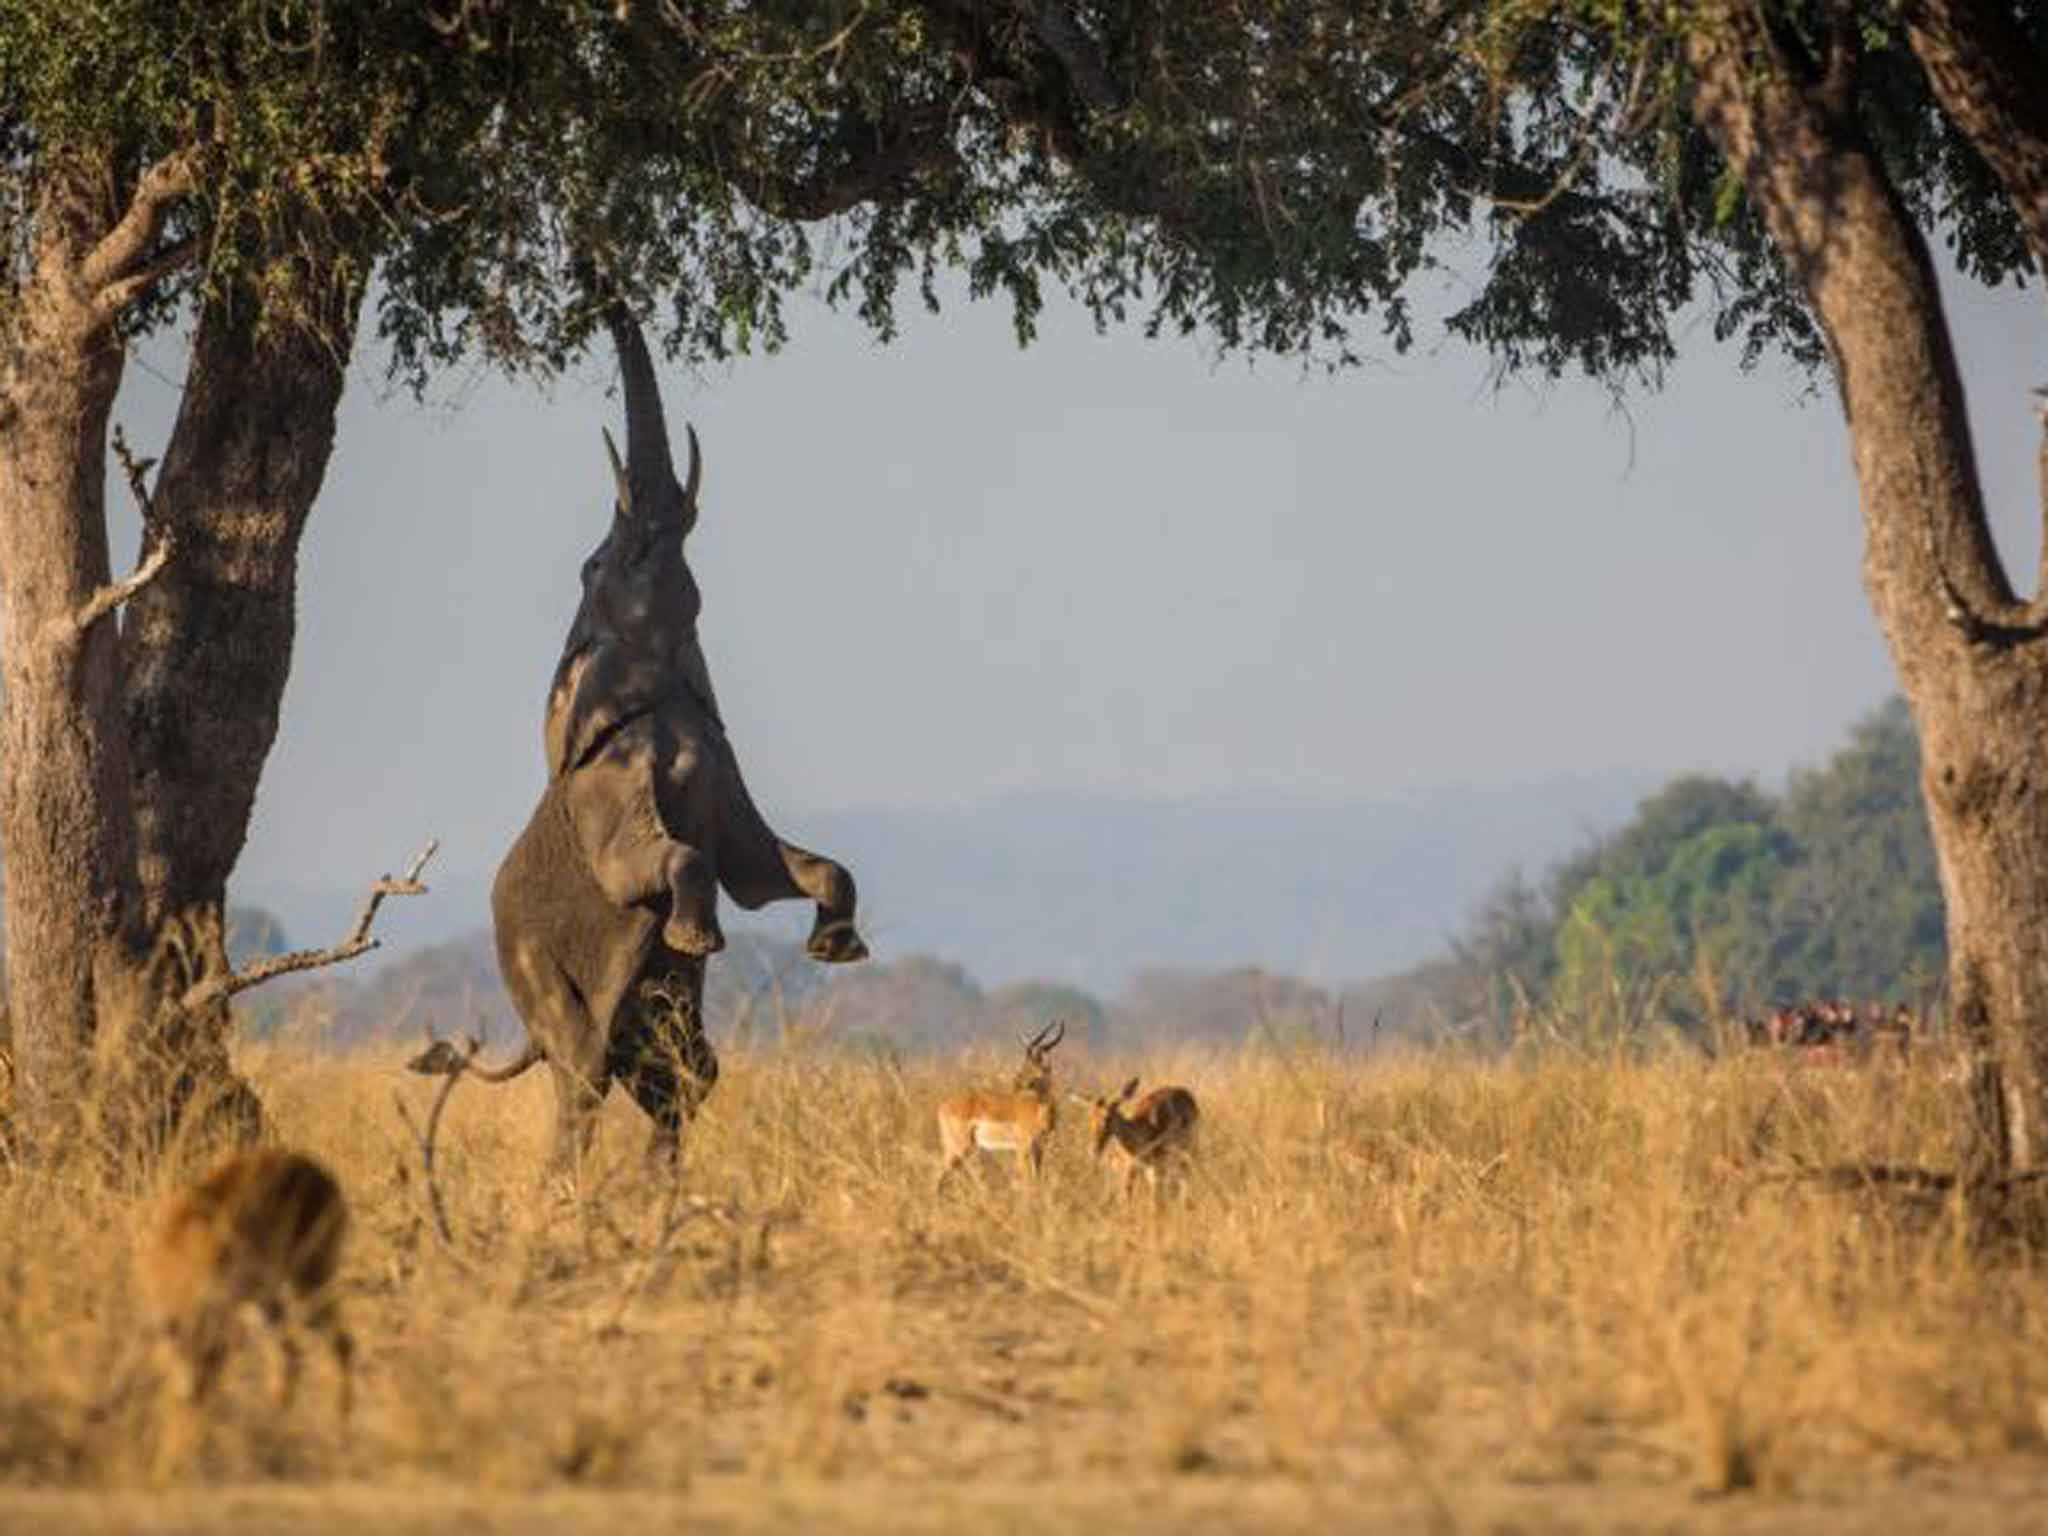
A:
[263, 1230]
[1157, 1130]
[1019, 1121]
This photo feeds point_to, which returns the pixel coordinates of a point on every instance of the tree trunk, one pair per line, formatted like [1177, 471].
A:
[132, 758]
[65, 809]
[208, 646]
[1972, 661]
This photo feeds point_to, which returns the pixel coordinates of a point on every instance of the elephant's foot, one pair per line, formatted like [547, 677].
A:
[835, 943]
[688, 936]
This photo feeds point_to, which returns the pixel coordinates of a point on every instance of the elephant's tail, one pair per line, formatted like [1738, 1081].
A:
[443, 1059]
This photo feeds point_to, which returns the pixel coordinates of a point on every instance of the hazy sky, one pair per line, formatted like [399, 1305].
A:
[945, 569]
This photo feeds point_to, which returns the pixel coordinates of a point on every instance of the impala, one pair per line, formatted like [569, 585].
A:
[1157, 1130]
[1019, 1121]
[263, 1230]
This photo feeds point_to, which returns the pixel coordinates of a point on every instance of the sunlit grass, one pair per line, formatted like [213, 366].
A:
[1429, 1273]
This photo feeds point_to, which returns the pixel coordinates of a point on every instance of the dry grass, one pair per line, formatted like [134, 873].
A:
[1443, 1294]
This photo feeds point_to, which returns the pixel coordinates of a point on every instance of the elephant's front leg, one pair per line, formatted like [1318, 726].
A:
[692, 926]
[833, 938]
[757, 867]
[641, 811]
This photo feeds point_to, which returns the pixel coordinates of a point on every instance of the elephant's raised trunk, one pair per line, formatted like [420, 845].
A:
[647, 481]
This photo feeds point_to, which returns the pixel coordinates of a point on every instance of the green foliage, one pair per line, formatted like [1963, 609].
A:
[1274, 174]
[304, 127]
[1727, 897]
[1866, 899]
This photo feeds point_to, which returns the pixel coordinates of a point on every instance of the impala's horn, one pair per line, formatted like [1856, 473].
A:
[1041, 1045]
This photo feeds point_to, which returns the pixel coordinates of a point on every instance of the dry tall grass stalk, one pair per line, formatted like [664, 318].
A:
[1416, 1281]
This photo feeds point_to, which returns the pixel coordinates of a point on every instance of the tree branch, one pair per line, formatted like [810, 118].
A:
[127, 244]
[74, 625]
[1079, 55]
[174, 257]
[112, 596]
[1987, 77]
[217, 988]
[135, 469]
[2021, 624]
[919, 144]
[1845, 238]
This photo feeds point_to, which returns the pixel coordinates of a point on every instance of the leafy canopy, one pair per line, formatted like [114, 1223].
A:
[1275, 174]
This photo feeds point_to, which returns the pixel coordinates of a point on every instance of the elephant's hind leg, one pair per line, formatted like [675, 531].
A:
[669, 1067]
[578, 1098]
[624, 828]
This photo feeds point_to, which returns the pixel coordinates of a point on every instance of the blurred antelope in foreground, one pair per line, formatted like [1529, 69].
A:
[263, 1230]
[1020, 1121]
[1156, 1131]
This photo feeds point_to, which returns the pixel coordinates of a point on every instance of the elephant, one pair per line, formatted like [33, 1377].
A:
[605, 909]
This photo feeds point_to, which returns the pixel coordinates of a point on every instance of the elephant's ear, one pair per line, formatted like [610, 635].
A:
[697, 679]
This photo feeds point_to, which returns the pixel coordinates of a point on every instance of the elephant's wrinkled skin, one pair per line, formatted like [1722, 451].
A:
[606, 907]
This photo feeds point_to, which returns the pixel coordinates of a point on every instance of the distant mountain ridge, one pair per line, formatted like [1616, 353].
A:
[1096, 889]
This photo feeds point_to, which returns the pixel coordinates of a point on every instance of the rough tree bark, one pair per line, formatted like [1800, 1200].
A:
[1971, 658]
[206, 649]
[65, 810]
[132, 754]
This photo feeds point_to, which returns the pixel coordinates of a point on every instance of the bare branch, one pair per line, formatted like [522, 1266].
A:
[74, 625]
[2026, 622]
[135, 469]
[217, 987]
[112, 596]
[127, 244]
[174, 257]
[425, 1138]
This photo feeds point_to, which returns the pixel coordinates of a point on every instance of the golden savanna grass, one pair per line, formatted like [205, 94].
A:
[1427, 1294]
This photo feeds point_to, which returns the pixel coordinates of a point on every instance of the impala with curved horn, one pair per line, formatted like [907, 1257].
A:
[605, 908]
[1020, 1121]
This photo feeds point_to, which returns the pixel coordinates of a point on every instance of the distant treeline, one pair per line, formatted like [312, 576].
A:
[1726, 897]
[1717, 897]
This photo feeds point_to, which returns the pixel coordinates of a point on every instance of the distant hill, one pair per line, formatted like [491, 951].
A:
[454, 987]
[763, 991]
[1094, 890]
